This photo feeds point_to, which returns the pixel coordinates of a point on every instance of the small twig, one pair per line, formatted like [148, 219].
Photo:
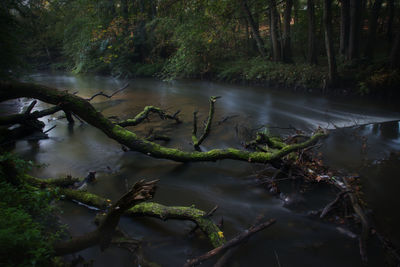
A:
[211, 212]
[330, 205]
[108, 96]
[277, 258]
[77, 117]
[50, 129]
[227, 118]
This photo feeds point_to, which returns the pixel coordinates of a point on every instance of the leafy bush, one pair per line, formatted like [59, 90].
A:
[27, 224]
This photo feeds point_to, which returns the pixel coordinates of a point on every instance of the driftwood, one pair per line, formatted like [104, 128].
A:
[88, 113]
[229, 244]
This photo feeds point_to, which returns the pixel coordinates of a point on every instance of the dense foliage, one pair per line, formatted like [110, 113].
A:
[27, 224]
[296, 43]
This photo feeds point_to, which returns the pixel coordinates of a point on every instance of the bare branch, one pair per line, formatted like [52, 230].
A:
[207, 128]
[108, 96]
[29, 109]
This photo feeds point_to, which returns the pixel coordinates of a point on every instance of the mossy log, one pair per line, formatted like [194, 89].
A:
[151, 209]
[82, 108]
[140, 192]
[59, 182]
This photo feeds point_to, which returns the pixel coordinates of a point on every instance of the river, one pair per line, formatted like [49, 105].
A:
[295, 240]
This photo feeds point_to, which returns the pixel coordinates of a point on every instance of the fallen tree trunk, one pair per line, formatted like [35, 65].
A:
[149, 209]
[141, 191]
[82, 108]
[23, 117]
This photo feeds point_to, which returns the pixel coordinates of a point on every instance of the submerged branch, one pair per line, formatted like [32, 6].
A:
[231, 243]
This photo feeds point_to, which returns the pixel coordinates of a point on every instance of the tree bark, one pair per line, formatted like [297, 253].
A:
[372, 26]
[330, 52]
[287, 49]
[254, 28]
[344, 26]
[312, 51]
[274, 31]
[355, 29]
[82, 108]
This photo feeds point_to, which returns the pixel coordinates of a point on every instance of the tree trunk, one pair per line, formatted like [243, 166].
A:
[254, 28]
[372, 25]
[296, 4]
[287, 50]
[124, 9]
[312, 51]
[344, 26]
[395, 52]
[330, 52]
[355, 28]
[389, 33]
[276, 48]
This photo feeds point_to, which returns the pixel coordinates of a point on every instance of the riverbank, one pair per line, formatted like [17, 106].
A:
[358, 80]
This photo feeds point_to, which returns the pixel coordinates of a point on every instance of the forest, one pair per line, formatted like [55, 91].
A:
[314, 44]
[188, 132]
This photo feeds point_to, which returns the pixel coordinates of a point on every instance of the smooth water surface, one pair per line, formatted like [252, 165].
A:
[295, 240]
